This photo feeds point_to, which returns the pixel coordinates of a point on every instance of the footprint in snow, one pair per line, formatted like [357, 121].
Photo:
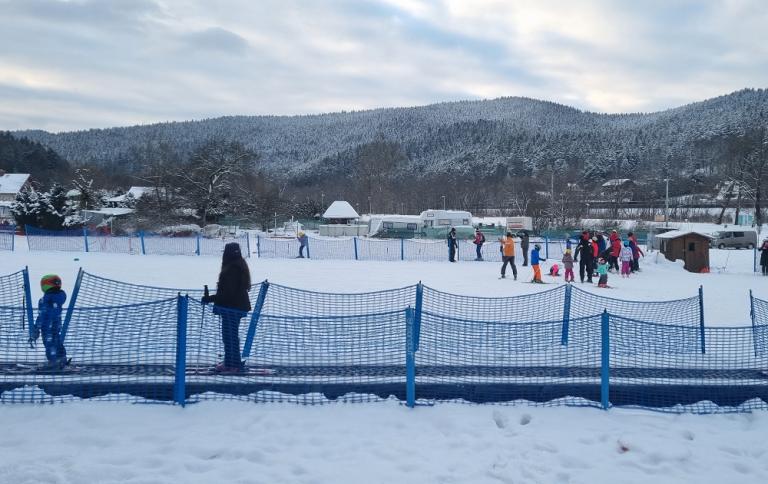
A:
[525, 419]
[500, 419]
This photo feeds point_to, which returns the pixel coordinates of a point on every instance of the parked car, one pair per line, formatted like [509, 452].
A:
[736, 239]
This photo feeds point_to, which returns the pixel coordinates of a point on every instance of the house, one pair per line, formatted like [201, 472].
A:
[133, 192]
[340, 212]
[618, 189]
[446, 218]
[689, 246]
[11, 184]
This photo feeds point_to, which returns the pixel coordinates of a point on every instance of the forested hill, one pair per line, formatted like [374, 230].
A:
[500, 137]
[25, 156]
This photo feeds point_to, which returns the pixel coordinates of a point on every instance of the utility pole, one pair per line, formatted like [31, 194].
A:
[666, 205]
[443, 202]
[370, 210]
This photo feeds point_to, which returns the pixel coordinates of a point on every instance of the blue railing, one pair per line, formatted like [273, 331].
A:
[140, 343]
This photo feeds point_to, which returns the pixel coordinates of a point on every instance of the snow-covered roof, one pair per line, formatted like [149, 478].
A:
[11, 183]
[616, 182]
[673, 234]
[135, 192]
[112, 212]
[340, 209]
[452, 214]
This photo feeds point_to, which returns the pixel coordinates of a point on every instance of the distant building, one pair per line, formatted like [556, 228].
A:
[340, 212]
[11, 184]
[618, 189]
[133, 192]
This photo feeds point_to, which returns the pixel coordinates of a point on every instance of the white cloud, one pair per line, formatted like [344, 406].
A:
[91, 63]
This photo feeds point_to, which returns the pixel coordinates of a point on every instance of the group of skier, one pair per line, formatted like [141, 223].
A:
[596, 254]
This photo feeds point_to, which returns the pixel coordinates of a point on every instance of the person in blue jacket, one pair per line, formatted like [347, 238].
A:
[535, 261]
[48, 322]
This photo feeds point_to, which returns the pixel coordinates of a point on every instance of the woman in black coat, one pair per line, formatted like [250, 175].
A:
[764, 257]
[231, 302]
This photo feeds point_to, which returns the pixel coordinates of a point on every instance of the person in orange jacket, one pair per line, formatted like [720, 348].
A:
[508, 255]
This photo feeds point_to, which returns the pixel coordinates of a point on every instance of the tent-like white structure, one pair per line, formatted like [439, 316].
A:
[340, 210]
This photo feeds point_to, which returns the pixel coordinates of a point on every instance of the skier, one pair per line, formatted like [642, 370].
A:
[479, 241]
[568, 265]
[626, 259]
[508, 254]
[600, 243]
[613, 260]
[231, 302]
[585, 263]
[524, 243]
[535, 259]
[764, 256]
[453, 244]
[554, 271]
[303, 239]
[48, 322]
[602, 270]
[636, 251]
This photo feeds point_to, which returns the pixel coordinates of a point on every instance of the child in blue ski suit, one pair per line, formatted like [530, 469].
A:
[48, 322]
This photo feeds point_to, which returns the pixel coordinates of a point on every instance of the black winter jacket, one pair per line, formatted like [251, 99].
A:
[232, 288]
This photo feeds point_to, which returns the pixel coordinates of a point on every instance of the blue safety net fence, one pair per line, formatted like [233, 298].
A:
[140, 343]
[83, 240]
[7, 239]
[759, 309]
[373, 249]
[661, 367]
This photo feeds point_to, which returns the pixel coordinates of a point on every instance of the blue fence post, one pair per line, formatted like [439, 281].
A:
[752, 318]
[197, 247]
[354, 240]
[85, 238]
[566, 314]
[410, 359]
[72, 301]
[179, 383]
[701, 318]
[546, 247]
[258, 247]
[402, 248]
[26, 236]
[255, 318]
[605, 360]
[248, 243]
[28, 300]
[143, 249]
[417, 314]
[754, 259]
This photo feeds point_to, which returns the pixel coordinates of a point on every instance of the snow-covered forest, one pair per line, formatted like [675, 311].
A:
[506, 136]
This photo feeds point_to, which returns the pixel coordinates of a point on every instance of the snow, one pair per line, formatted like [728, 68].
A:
[375, 443]
[135, 192]
[340, 209]
[11, 183]
[673, 234]
[726, 288]
[385, 442]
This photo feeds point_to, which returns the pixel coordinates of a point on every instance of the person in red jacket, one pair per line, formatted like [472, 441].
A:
[613, 259]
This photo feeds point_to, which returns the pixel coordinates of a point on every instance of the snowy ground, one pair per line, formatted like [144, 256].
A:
[386, 442]
[375, 443]
[726, 290]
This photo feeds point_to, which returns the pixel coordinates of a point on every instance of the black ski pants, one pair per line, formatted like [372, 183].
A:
[585, 266]
[230, 329]
[508, 259]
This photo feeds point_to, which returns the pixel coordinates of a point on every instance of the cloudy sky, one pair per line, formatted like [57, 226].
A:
[78, 64]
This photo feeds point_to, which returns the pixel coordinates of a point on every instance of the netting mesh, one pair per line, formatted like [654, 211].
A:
[541, 306]
[118, 353]
[300, 359]
[65, 240]
[330, 249]
[759, 311]
[500, 362]
[291, 302]
[685, 312]
[661, 367]
[6, 240]
[383, 249]
[310, 347]
[12, 290]
[270, 248]
[123, 244]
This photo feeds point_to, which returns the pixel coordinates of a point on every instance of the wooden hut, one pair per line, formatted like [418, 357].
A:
[688, 246]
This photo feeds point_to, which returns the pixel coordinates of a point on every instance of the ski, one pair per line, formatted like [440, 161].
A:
[210, 371]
